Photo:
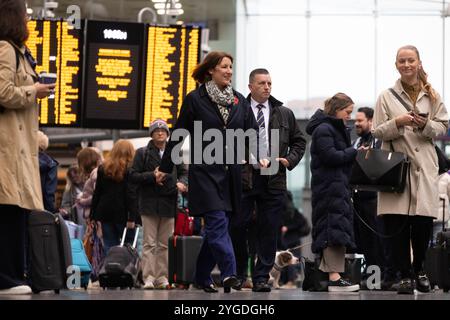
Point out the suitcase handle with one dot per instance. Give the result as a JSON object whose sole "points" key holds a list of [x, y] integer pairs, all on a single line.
{"points": [[135, 237], [443, 214]]}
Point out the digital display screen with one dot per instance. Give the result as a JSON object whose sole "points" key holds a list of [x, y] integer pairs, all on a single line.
{"points": [[57, 48], [113, 72], [172, 54]]}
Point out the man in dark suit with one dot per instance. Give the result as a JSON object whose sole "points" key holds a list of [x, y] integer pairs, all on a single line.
{"points": [[265, 192]]}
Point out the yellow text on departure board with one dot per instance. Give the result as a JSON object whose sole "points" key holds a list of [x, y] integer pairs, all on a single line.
{"points": [[55, 46], [172, 54], [70, 61], [114, 70]]}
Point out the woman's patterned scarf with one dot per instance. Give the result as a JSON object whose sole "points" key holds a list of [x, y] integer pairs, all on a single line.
{"points": [[223, 98]]}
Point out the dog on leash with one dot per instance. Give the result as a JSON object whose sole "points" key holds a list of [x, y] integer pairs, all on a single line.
{"points": [[282, 260]]}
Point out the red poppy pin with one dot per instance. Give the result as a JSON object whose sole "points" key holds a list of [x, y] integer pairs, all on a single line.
{"points": [[236, 100]]}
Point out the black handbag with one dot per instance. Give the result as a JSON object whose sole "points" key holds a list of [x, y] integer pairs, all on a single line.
{"points": [[380, 170], [444, 163]]}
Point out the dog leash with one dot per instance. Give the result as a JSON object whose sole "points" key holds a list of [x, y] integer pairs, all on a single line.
{"points": [[300, 246]]}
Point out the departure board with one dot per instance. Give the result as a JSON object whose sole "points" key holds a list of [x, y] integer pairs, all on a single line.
{"points": [[57, 47], [172, 54], [113, 72]]}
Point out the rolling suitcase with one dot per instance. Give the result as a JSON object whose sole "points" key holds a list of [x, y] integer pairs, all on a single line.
{"points": [[437, 259], [183, 253], [121, 267], [81, 261], [49, 251]]}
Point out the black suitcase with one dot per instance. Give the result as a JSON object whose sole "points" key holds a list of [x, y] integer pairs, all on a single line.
{"points": [[183, 253], [121, 266], [49, 251], [437, 259]]}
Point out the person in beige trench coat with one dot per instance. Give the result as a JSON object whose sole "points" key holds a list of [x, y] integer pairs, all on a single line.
{"points": [[20, 188], [409, 215]]}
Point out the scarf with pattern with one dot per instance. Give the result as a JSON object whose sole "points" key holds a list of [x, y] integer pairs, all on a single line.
{"points": [[222, 98]]}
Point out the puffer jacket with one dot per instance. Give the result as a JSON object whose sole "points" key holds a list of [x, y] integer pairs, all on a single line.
{"points": [[332, 156]]}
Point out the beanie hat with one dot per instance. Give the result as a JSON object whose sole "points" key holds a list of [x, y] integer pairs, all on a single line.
{"points": [[158, 124]]}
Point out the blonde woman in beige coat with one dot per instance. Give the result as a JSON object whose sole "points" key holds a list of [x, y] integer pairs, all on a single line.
{"points": [[20, 188], [409, 215]]}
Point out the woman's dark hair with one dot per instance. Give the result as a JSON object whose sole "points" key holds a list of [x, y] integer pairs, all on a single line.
{"points": [[337, 102], [88, 160], [212, 59], [13, 25]]}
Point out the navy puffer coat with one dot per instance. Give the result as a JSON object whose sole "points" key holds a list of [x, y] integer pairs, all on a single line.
{"points": [[331, 161]]}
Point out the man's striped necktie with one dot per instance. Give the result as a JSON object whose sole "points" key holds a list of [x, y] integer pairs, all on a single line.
{"points": [[263, 149]]}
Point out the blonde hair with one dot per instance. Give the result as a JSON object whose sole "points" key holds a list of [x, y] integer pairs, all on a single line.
{"points": [[42, 141], [423, 76], [119, 160], [336, 103]]}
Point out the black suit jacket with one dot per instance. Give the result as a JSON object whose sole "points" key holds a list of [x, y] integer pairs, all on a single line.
{"points": [[291, 144]]}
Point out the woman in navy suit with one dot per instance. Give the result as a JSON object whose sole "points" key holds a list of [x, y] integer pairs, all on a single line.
{"points": [[214, 188]]}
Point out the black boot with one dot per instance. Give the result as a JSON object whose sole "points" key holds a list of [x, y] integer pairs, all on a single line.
{"points": [[229, 282]]}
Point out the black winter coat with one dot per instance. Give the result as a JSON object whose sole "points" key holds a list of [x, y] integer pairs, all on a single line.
{"points": [[48, 169], [113, 201], [212, 187], [291, 145], [152, 198], [332, 156]]}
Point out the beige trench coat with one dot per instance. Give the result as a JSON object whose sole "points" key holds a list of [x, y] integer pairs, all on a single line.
{"points": [[19, 165], [418, 145]]}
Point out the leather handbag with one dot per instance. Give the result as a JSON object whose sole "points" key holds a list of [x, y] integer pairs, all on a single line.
{"points": [[380, 170], [444, 163]]}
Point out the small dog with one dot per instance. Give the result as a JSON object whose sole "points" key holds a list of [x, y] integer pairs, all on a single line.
{"points": [[282, 260]]}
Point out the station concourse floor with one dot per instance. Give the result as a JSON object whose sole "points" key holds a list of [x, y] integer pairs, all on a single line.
{"points": [[244, 295]]}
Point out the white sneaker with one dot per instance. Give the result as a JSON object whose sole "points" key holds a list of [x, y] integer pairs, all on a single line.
{"points": [[149, 285], [16, 290]]}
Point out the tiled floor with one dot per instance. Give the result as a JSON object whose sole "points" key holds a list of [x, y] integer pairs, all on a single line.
{"points": [[245, 295]]}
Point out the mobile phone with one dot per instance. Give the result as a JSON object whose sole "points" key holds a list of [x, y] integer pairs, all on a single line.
{"points": [[423, 114], [47, 78]]}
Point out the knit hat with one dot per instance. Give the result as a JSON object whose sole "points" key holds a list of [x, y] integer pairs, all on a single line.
{"points": [[157, 124]]}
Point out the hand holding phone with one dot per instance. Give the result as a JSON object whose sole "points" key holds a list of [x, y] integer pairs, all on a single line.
{"points": [[43, 90], [47, 78], [421, 119]]}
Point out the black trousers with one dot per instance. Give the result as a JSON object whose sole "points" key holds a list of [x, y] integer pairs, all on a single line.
{"points": [[268, 205], [415, 231], [367, 242], [12, 246]]}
